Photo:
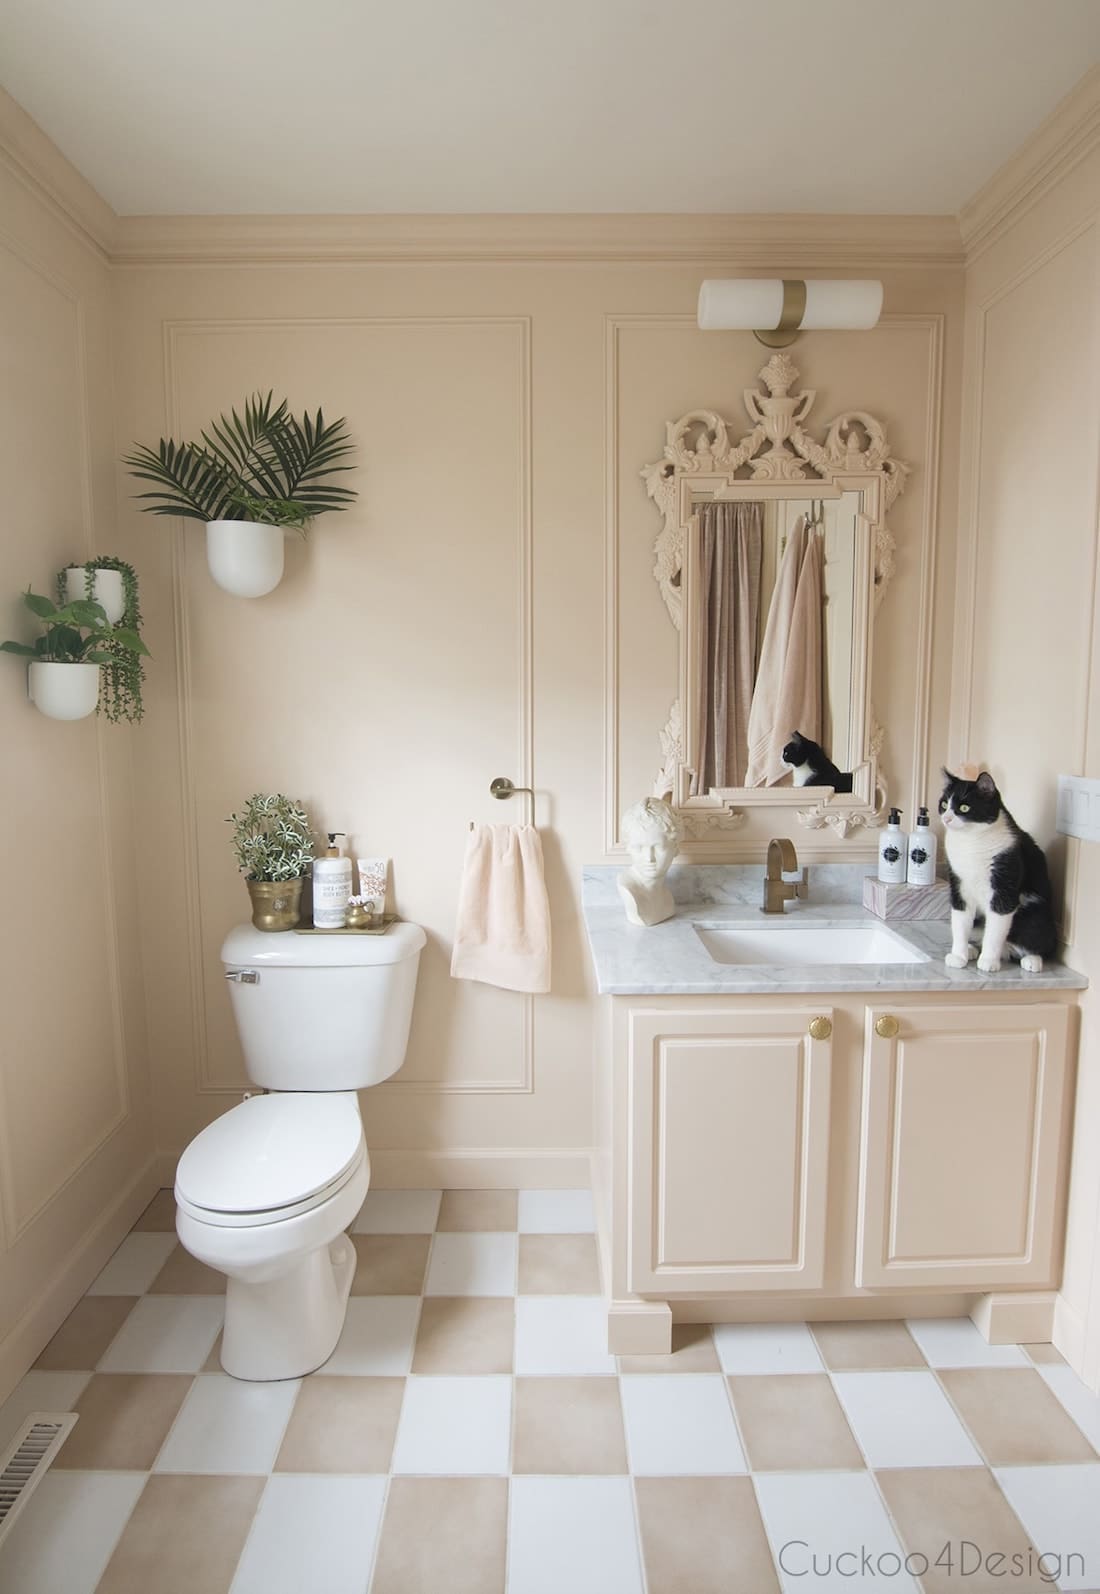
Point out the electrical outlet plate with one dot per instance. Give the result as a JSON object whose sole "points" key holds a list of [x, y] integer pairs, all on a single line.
{"points": [[1079, 807]]}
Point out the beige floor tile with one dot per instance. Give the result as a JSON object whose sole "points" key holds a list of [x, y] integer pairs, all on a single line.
{"points": [[1013, 1417], [465, 1334], [693, 1351], [184, 1537], [855, 1347], [703, 1536], [160, 1215], [390, 1264], [568, 1425], [793, 1421], [342, 1425], [934, 1507], [484, 1211], [558, 1264], [85, 1334], [443, 1534], [1045, 1355], [183, 1274], [124, 1418]]}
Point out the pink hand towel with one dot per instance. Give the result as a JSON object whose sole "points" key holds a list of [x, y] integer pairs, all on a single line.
{"points": [[502, 936]]}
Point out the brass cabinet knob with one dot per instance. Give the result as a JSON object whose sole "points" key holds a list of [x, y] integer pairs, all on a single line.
{"points": [[821, 1028], [887, 1026]]}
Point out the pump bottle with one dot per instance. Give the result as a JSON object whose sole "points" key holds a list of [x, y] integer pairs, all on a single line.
{"points": [[892, 851], [922, 853], [331, 886]]}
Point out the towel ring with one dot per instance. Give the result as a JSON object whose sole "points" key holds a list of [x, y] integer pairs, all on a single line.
{"points": [[501, 787]]}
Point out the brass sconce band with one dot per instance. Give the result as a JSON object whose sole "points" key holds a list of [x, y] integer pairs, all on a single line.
{"points": [[790, 317]]}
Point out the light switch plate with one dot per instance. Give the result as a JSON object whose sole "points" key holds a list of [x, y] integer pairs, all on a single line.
{"points": [[1079, 807]]}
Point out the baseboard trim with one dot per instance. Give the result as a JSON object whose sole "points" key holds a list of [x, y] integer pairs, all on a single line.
{"points": [[1068, 1335], [72, 1276], [463, 1168], [808, 1309], [1023, 1318]]}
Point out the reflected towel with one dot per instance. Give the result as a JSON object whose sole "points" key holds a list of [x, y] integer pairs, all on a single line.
{"points": [[502, 936], [787, 696]]}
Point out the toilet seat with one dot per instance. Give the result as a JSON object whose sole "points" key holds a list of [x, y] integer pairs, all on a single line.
{"points": [[271, 1158]]}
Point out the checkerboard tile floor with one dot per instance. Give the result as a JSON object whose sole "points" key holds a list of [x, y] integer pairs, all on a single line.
{"points": [[472, 1435]]}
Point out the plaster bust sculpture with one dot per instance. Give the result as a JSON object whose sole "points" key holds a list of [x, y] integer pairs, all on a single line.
{"points": [[651, 832]]}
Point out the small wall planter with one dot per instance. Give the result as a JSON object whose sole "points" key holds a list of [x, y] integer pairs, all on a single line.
{"points": [[244, 556], [107, 590], [63, 691]]}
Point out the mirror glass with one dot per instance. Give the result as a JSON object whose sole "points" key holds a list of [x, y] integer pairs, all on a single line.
{"points": [[774, 603]]}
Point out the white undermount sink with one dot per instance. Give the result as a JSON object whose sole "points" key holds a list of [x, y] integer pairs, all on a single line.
{"points": [[792, 944]]}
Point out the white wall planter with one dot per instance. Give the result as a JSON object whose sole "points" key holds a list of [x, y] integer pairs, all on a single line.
{"points": [[107, 590], [63, 691], [245, 558]]}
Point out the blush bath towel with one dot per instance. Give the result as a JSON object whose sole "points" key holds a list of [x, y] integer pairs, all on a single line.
{"points": [[502, 936]]}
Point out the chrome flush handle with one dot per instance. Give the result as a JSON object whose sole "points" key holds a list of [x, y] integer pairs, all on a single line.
{"points": [[243, 976]]}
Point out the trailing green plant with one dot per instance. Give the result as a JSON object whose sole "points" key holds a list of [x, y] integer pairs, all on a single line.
{"points": [[74, 633], [122, 677], [265, 465], [272, 838]]}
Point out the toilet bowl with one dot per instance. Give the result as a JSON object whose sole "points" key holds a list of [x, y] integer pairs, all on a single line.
{"points": [[265, 1193]]}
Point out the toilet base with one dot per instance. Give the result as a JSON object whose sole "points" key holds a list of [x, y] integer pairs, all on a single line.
{"points": [[288, 1326]]}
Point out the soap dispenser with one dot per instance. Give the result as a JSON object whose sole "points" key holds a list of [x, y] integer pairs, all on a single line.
{"points": [[922, 853], [331, 886], [892, 851]]}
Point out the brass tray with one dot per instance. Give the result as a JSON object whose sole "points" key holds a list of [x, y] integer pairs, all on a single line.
{"points": [[372, 929]]}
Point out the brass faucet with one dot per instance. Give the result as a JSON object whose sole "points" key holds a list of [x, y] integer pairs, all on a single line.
{"points": [[782, 859]]}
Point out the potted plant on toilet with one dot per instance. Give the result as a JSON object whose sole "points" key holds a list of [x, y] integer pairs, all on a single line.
{"points": [[77, 640], [250, 479], [113, 584], [274, 847]]}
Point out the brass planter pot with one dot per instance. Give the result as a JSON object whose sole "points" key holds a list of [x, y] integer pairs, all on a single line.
{"points": [[275, 903]]}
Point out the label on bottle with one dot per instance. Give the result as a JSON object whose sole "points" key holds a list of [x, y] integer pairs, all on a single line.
{"points": [[330, 900]]}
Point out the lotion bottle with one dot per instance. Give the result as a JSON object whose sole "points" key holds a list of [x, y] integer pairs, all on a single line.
{"points": [[892, 851], [922, 853], [331, 887]]}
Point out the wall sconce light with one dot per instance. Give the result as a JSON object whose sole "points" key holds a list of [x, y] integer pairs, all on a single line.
{"points": [[775, 310]]}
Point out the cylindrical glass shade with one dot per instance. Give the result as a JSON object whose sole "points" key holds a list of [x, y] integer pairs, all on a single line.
{"points": [[756, 305]]}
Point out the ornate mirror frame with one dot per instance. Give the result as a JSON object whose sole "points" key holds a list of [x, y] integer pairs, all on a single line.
{"points": [[777, 458]]}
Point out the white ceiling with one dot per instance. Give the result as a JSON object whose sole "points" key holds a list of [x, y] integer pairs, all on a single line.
{"points": [[269, 106]]}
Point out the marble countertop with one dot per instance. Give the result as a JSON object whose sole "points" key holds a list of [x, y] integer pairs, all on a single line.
{"points": [[669, 959]]}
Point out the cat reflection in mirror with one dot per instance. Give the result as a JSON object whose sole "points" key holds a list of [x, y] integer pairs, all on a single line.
{"points": [[997, 871], [810, 765]]}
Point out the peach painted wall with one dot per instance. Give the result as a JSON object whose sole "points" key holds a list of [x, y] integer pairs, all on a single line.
{"points": [[76, 1142], [486, 609], [1028, 623]]}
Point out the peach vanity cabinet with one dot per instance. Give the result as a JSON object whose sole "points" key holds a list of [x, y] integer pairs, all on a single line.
{"points": [[881, 1155]]}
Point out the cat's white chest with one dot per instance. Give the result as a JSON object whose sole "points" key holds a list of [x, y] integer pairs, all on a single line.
{"points": [[971, 850]]}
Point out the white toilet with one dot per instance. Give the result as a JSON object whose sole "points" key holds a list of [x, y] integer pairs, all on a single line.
{"points": [[265, 1193]]}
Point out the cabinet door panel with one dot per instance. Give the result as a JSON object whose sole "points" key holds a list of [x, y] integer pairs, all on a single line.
{"points": [[961, 1146], [728, 1151]]}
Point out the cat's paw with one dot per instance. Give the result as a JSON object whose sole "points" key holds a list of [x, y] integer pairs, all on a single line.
{"points": [[954, 961], [988, 964], [1031, 963]]}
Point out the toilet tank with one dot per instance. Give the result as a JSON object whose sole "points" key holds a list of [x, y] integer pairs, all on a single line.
{"points": [[322, 1012]]}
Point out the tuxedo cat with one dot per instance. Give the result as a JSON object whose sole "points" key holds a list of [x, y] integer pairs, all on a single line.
{"points": [[998, 872], [810, 765]]}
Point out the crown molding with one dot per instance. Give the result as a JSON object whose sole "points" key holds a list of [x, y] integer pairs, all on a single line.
{"points": [[38, 163], [768, 242], [1067, 136]]}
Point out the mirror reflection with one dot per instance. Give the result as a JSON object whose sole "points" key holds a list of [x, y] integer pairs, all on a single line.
{"points": [[774, 595]]}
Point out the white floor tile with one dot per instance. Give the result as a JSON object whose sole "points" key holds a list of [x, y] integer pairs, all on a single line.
{"points": [[1058, 1507], [819, 1523], [766, 1348], [227, 1425], [955, 1342], [472, 1264], [904, 1420], [165, 1334], [556, 1212], [452, 1426], [1082, 1405], [575, 1534], [315, 1533], [680, 1425], [134, 1265], [398, 1212], [560, 1335], [378, 1336], [67, 1532], [39, 1392]]}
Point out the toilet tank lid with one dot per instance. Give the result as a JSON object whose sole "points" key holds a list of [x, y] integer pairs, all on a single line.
{"points": [[293, 949]]}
